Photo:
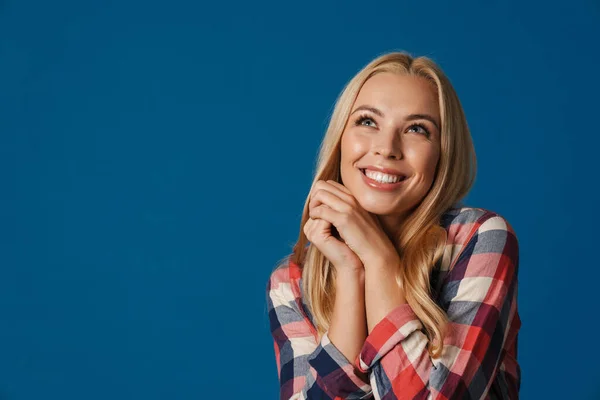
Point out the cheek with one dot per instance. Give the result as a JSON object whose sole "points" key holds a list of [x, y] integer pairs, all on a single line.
{"points": [[353, 147], [423, 159]]}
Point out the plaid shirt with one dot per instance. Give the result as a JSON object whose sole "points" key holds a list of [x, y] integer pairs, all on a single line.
{"points": [[475, 283]]}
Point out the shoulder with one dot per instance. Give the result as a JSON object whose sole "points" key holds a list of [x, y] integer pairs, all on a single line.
{"points": [[463, 223], [282, 285], [284, 293], [285, 271], [476, 236]]}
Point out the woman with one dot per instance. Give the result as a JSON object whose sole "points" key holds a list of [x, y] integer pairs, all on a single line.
{"points": [[403, 292]]}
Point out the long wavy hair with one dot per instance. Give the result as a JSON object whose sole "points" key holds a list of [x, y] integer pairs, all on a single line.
{"points": [[421, 239]]}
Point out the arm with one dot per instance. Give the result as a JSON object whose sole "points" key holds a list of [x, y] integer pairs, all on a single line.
{"points": [[348, 328], [479, 295], [307, 368]]}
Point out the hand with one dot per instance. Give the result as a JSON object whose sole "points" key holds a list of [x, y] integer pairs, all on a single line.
{"points": [[360, 230], [324, 236]]}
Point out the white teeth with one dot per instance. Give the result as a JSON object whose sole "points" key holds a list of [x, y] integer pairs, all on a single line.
{"points": [[383, 178]]}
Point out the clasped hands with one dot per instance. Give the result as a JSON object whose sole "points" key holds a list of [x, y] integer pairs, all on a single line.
{"points": [[363, 244]]}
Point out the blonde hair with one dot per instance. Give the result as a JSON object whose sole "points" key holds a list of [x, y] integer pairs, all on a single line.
{"points": [[421, 240]]}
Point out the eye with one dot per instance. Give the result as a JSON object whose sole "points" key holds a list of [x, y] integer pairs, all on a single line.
{"points": [[365, 120], [420, 129]]}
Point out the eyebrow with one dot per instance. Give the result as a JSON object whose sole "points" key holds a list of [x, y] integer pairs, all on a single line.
{"points": [[410, 117]]}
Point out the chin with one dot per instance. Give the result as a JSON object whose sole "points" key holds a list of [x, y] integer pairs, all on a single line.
{"points": [[375, 207]]}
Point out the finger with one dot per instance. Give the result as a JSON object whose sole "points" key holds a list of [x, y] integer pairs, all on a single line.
{"points": [[307, 228], [323, 212], [314, 229], [338, 189], [329, 187], [325, 197], [339, 186], [315, 224]]}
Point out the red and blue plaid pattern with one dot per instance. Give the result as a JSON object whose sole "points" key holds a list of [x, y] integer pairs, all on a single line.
{"points": [[475, 282]]}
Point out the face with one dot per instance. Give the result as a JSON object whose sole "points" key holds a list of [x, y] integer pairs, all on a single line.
{"points": [[394, 124]]}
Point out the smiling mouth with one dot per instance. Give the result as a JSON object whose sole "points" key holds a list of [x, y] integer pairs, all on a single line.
{"points": [[402, 177]]}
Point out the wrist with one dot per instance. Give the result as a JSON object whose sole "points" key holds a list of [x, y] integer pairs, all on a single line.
{"points": [[383, 264], [349, 276], [381, 273]]}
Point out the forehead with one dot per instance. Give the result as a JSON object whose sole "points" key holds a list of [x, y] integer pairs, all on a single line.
{"points": [[392, 92]]}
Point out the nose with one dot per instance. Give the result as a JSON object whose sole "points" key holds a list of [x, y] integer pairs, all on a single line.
{"points": [[388, 146], [388, 153]]}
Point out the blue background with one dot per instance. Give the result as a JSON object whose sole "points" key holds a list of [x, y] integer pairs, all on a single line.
{"points": [[155, 158]]}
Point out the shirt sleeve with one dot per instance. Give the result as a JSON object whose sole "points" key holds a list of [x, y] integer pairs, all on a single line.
{"points": [[479, 295], [307, 369]]}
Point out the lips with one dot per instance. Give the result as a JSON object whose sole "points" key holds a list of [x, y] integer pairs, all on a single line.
{"points": [[402, 176], [383, 186], [382, 169]]}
